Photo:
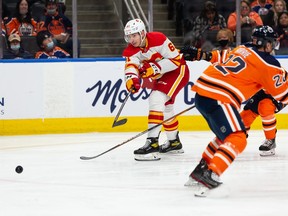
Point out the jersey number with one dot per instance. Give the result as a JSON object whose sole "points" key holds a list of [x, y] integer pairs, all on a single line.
{"points": [[171, 47], [238, 64]]}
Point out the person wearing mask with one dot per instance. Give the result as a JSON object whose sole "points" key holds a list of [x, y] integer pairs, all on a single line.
{"points": [[15, 51], [59, 26], [47, 47]]}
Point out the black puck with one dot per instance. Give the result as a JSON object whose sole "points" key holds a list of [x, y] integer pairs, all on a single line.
{"points": [[19, 169]]}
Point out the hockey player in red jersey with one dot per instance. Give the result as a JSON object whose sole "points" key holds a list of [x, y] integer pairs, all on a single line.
{"points": [[153, 56], [220, 91]]}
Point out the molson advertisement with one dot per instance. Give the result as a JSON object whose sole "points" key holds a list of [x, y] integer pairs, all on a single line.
{"points": [[85, 96]]}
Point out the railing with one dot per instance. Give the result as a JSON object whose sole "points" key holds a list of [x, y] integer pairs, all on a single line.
{"points": [[135, 10], [116, 11]]}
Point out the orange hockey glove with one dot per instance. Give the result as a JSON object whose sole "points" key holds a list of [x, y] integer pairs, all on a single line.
{"points": [[150, 70], [132, 83]]}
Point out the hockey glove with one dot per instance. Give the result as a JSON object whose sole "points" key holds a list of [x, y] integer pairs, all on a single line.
{"points": [[150, 70], [191, 53], [132, 83]]}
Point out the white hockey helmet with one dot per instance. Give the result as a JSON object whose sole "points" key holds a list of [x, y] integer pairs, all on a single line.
{"points": [[134, 26]]}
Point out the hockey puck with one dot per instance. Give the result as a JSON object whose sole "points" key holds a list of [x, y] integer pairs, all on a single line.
{"points": [[19, 169]]}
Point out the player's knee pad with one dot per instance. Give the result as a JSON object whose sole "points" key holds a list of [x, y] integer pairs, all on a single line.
{"points": [[157, 101], [238, 141], [266, 107]]}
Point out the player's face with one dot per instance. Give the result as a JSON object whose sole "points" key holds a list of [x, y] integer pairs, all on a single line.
{"points": [[134, 39], [269, 47]]}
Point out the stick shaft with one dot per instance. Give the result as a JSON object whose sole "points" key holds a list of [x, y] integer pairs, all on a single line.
{"points": [[121, 108], [137, 135]]}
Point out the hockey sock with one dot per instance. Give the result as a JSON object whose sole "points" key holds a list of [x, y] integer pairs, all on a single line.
{"points": [[234, 144]]}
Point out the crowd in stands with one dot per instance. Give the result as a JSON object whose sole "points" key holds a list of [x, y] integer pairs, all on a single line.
{"points": [[200, 20], [36, 29]]}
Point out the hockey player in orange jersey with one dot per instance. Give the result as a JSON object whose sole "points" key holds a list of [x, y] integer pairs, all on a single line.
{"points": [[265, 106], [220, 91], [153, 56], [261, 104]]}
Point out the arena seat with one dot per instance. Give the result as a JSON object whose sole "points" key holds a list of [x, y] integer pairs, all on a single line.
{"points": [[29, 44]]}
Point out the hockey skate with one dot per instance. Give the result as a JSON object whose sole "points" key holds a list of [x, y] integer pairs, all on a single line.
{"points": [[149, 152], [205, 176], [172, 146], [199, 171], [268, 147]]}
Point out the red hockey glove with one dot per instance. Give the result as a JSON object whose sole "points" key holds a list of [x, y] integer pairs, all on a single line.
{"points": [[150, 70], [132, 83]]}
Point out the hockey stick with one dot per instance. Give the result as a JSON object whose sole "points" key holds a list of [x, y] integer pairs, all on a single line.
{"points": [[136, 136], [121, 121]]}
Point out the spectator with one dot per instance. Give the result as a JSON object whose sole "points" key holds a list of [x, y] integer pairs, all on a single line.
{"points": [[249, 19], [225, 40], [265, 9], [278, 7], [261, 7], [15, 51], [37, 9], [22, 22], [206, 25], [47, 47], [282, 31], [59, 26], [5, 18]]}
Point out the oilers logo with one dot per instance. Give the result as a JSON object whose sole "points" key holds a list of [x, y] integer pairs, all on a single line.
{"points": [[26, 29]]}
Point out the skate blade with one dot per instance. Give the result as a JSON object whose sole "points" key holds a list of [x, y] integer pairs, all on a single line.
{"points": [[267, 153], [219, 192], [147, 157], [191, 183], [180, 151], [202, 191]]}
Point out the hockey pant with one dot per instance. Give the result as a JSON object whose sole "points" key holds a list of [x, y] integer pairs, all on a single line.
{"points": [[266, 109], [225, 121]]}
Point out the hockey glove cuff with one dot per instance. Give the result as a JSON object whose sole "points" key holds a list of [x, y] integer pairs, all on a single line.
{"points": [[150, 70], [132, 83], [191, 53]]}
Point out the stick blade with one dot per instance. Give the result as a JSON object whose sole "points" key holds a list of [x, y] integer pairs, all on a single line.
{"points": [[87, 158], [120, 122]]}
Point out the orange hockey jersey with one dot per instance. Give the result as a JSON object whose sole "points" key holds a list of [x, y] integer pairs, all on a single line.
{"points": [[220, 56], [244, 73], [22, 29]]}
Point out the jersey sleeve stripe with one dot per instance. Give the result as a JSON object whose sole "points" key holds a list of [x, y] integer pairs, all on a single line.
{"points": [[214, 91], [227, 90]]}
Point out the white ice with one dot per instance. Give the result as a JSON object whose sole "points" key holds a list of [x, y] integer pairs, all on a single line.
{"points": [[55, 182]]}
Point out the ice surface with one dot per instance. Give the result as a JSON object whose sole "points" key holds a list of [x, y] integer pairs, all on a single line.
{"points": [[55, 182]]}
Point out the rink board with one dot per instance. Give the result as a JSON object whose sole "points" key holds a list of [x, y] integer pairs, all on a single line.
{"points": [[60, 96]]}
